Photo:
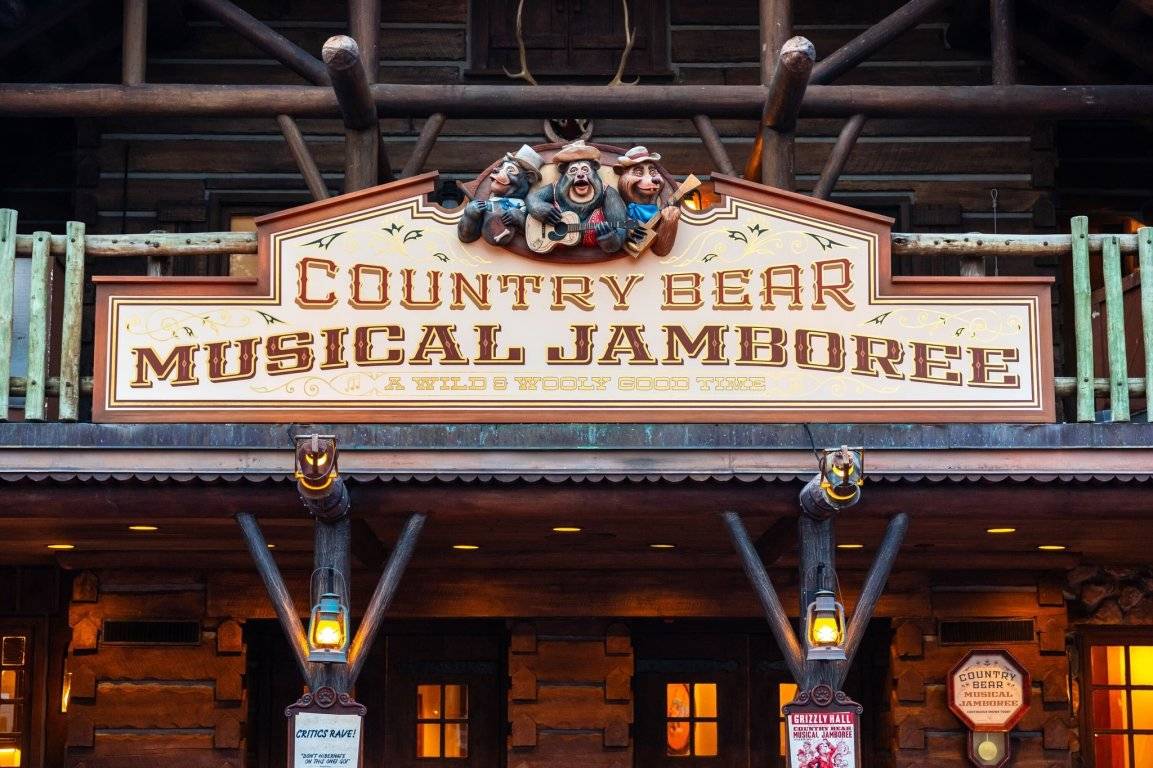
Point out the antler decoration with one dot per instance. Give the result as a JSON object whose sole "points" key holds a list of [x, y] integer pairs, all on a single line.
{"points": [[630, 38], [524, 74]]}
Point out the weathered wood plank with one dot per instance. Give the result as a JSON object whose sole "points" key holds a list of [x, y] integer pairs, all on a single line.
{"points": [[137, 663], [39, 325], [1145, 261], [569, 707], [151, 705], [1115, 331], [1083, 317], [73, 322], [7, 285]]}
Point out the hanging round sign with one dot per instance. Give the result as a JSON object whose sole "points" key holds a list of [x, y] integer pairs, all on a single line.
{"points": [[989, 690]]}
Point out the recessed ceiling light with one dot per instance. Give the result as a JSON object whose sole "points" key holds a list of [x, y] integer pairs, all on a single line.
{"points": [[270, 546], [566, 529], [61, 546], [1000, 530], [1052, 547], [662, 546], [850, 546], [143, 528], [465, 546]]}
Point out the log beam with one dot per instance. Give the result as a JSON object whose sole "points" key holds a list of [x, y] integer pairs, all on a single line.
{"points": [[1003, 34], [713, 144], [357, 109], [1054, 60], [839, 157], [782, 105], [303, 157], [1133, 50], [135, 46], [364, 27], [776, 24], [266, 39], [874, 38], [429, 133]]}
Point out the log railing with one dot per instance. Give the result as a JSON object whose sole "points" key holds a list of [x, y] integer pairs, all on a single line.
{"points": [[75, 247]]}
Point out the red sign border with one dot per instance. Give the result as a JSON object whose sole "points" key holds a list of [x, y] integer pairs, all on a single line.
{"points": [[1026, 686]]}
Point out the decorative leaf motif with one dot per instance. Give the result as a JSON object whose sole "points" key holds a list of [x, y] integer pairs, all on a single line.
{"points": [[736, 234], [757, 229], [189, 331], [269, 319], [879, 319], [325, 241], [442, 256], [413, 235], [825, 242], [393, 228], [709, 257]]}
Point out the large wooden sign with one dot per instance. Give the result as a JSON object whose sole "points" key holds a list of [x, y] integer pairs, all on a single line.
{"points": [[823, 727], [766, 306]]}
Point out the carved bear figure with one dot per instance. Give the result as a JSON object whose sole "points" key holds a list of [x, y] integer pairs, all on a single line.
{"points": [[502, 213], [579, 189], [640, 185]]}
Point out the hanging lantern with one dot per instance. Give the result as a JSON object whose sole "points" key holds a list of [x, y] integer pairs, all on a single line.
{"points": [[842, 473], [826, 627], [328, 630]]}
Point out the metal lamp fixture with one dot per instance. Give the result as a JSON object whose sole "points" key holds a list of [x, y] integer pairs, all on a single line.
{"points": [[843, 473], [825, 621], [328, 630]]}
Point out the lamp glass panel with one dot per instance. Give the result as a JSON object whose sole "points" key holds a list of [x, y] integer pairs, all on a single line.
{"points": [[1141, 665], [10, 684], [1108, 663], [1111, 750], [456, 701], [705, 699], [456, 739], [1143, 712], [1110, 710], [9, 757], [428, 739], [428, 702]]}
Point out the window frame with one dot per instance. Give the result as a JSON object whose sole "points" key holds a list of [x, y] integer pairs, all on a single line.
{"points": [[692, 718], [444, 720], [1127, 636]]}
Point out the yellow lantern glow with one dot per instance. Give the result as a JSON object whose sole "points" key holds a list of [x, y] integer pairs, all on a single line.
{"points": [[826, 627], [328, 630]]}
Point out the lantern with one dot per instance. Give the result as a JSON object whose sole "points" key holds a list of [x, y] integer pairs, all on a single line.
{"points": [[825, 619], [328, 630], [842, 474]]}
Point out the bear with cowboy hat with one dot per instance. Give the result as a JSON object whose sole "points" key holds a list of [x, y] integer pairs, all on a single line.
{"points": [[579, 189], [502, 213], [641, 186]]}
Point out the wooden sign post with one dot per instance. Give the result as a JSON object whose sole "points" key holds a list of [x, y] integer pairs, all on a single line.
{"points": [[325, 731], [989, 693], [824, 729]]}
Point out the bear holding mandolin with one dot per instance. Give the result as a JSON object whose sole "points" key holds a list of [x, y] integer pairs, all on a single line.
{"points": [[580, 210]]}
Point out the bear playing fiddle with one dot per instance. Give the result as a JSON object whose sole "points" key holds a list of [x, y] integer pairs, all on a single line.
{"points": [[578, 208], [503, 212]]}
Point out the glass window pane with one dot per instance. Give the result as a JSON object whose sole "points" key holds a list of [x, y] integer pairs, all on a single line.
{"points": [[705, 739], [1140, 665], [9, 757], [12, 651], [1142, 749], [677, 738], [8, 722], [1108, 663], [456, 740], [456, 701], [705, 700], [1110, 710], [677, 700], [10, 684], [1111, 751], [785, 693], [428, 702], [427, 740], [1143, 712]]}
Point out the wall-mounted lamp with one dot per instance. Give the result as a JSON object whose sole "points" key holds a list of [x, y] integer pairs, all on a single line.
{"points": [[328, 630], [825, 620], [843, 473], [316, 460]]}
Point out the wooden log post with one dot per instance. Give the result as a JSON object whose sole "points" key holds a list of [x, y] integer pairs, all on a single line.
{"points": [[303, 157], [839, 157], [134, 50], [73, 322], [429, 133], [358, 110], [874, 38], [364, 27], [972, 264], [7, 297], [1002, 31], [1115, 331], [1083, 319], [332, 556], [266, 39], [775, 18], [782, 105], [713, 144], [39, 327], [1145, 263]]}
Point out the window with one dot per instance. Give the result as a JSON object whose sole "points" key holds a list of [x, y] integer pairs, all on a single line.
{"points": [[442, 720], [14, 670], [691, 719], [786, 692], [1119, 703]]}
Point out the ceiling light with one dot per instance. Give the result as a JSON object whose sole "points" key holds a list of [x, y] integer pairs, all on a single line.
{"points": [[61, 546], [662, 546], [465, 546], [850, 546], [566, 529], [1051, 547], [1000, 530], [270, 546], [143, 528]]}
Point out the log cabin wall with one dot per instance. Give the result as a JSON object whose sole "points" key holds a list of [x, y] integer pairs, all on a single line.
{"points": [[926, 733], [154, 701]]}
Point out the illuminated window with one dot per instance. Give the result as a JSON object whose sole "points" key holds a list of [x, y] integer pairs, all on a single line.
{"points": [[442, 721], [1120, 704], [691, 719], [785, 693], [13, 704]]}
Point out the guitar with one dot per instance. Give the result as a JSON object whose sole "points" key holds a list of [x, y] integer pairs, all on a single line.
{"points": [[638, 247], [542, 237]]}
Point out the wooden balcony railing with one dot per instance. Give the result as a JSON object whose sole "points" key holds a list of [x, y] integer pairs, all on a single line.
{"points": [[1122, 307]]}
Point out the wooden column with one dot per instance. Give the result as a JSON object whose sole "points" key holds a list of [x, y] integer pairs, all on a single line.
{"points": [[364, 26], [1002, 29], [357, 108], [303, 158], [135, 41], [846, 140], [874, 38], [713, 144], [782, 105], [429, 133], [776, 23]]}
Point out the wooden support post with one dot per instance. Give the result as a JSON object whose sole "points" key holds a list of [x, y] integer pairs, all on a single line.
{"points": [[1145, 263], [776, 24], [382, 596], [277, 592], [73, 322], [135, 42], [775, 613], [972, 265], [713, 144], [1002, 30], [357, 108], [874, 38], [331, 554], [839, 157], [7, 297], [266, 39], [429, 132], [1115, 331], [782, 105], [303, 157], [364, 27], [1083, 318], [817, 570], [39, 326]]}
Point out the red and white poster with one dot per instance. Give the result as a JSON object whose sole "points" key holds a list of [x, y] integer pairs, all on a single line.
{"points": [[823, 739]]}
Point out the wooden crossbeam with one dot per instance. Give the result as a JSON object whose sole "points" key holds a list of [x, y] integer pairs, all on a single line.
{"points": [[839, 157], [303, 157], [713, 144], [874, 38], [429, 133], [1133, 50], [266, 39]]}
